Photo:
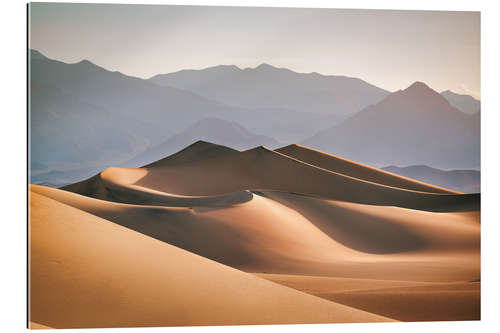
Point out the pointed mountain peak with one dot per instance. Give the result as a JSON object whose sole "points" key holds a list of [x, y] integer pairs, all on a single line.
{"points": [[418, 86], [215, 69], [265, 66], [422, 92], [85, 62], [228, 67], [418, 97], [89, 65]]}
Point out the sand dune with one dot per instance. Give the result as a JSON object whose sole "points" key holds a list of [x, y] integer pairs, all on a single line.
{"points": [[84, 273], [198, 151], [116, 184], [322, 284], [356, 170], [453, 301], [376, 229], [261, 168], [266, 236], [403, 300], [295, 234], [199, 221]]}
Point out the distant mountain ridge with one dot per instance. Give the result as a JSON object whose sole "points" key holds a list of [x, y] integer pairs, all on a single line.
{"points": [[217, 131], [266, 86], [84, 118], [87, 114], [467, 181], [412, 126], [464, 103], [84, 115]]}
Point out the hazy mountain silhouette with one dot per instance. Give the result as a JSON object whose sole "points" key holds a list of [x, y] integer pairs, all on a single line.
{"points": [[81, 113], [68, 131], [189, 79], [464, 103], [467, 181], [86, 116], [217, 131], [412, 126], [266, 86]]}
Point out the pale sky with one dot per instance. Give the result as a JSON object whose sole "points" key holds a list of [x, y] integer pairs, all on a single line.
{"points": [[390, 49]]}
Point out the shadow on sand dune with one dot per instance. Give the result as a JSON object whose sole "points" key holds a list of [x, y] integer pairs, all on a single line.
{"points": [[352, 228]]}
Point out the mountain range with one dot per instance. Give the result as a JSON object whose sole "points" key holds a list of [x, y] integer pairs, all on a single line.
{"points": [[85, 115], [464, 103], [84, 118], [82, 115], [281, 88], [466, 181], [214, 130], [413, 126], [266, 86]]}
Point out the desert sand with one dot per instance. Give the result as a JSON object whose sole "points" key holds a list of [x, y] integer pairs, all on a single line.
{"points": [[89, 272], [214, 236]]}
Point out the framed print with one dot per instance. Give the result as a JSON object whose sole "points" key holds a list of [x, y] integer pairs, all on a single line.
{"points": [[211, 165]]}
